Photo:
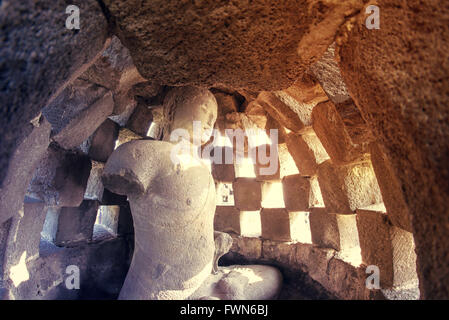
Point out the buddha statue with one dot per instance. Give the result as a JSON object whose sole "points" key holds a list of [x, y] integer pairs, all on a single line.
{"points": [[172, 199]]}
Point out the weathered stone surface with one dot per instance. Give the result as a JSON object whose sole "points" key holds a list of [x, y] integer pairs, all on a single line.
{"points": [[76, 224], [95, 188], [24, 161], [388, 247], [5, 228], [280, 111], [247, 194], [239, 44], [392, 193], [102, 265], [257, 114], [19, 242], [355, 125], [402, 93], [349, 187], [334, 231], [330, 129], [348, 282], [140, 120], [77, 112], [39, 57], [103, 141], [275, 224], [308, 91], [61, 178], [126, 135], [226, 104], [115, 70], [324, 228], [307, 152], [283, 252], [302, 97], [223, 172], [150, 93], [249, 247], [327, 72], [270, 124], [227, 219], [296, 192]]}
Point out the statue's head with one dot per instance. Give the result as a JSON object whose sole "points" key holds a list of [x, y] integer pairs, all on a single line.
{"points": [[183, 106]]}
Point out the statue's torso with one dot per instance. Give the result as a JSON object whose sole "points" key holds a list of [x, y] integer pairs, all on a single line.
{"points": [[173, 220]]}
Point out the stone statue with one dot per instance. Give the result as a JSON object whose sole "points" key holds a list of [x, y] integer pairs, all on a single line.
{"points": [[173, 206]]}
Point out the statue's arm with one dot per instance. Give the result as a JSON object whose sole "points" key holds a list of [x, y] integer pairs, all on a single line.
{"points": [[131, 167]]}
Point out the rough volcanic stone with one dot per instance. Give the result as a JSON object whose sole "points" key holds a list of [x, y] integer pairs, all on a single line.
{"points": [[336, 231], [103, 140], [390, 248], [327, 72], [349, 187], [296, 191], [227, 219], [223, 172], [248, 247], [126, 135], [76, 224], [239, 44], [392, 193], [247, 194], [39, 57], [115, 70], [95, 188], [103, 266], [355, 125], [61, 178], [402, 93], [77, 112], [331, 130], [280, 111], [271, 123], [25, 233], [307, 152], [24, 161], [275, 224], [226, 104], [302, 97], [141, 119]]}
